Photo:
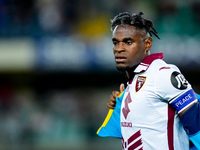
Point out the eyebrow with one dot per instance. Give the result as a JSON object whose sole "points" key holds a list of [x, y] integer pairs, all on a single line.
{"points": [[124, 39]]}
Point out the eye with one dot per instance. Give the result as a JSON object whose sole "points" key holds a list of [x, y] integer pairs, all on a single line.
{"points": [[115, 42], [128, 42]]}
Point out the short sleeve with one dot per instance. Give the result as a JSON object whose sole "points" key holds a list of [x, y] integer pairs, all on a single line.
{"points": [[170, 82]]}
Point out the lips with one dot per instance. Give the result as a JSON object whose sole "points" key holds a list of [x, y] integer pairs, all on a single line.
{"points": [[120, 59]]}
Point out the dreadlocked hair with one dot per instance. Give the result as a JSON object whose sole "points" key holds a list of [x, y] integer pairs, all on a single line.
{"points": [[134, 20]]}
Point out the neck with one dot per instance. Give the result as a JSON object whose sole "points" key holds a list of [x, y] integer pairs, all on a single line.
{"points": [[130, 71]]}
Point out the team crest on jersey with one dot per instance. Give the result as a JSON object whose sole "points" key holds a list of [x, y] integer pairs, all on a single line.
{"points": [[139, 83]]}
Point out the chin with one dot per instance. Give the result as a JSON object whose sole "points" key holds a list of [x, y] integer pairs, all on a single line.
{"points": [[120, 68]]}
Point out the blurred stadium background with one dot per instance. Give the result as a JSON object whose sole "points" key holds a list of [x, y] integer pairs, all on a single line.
{"points": [[57, 69]]}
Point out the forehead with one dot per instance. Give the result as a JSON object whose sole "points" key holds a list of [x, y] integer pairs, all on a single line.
{"points": [[122, 31]]}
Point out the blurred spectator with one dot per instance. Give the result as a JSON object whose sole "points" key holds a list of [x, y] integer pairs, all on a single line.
{"points": [[50, 15]]}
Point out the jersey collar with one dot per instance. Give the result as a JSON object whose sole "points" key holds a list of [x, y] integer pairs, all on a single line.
{"points": [[144, 65]]}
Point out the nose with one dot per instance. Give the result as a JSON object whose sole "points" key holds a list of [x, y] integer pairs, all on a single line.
{"points": [[119, 47]]}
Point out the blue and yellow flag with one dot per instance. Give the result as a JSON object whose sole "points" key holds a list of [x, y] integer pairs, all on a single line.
{"points": [[111, 126]]}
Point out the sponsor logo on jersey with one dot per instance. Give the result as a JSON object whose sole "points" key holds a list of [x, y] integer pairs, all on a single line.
{"points": [[139, 83], [126, 124], [178, 80]]}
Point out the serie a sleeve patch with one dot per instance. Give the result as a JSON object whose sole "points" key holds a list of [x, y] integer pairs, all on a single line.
{"points": [[184, 100]]}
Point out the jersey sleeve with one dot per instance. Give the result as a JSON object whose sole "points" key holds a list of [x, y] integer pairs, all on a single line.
{"points": [[170, 83], [111, 126], [172, 87]]}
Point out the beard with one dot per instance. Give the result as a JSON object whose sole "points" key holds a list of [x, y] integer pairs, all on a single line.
{"points": [[122, 69], [126, 68]]}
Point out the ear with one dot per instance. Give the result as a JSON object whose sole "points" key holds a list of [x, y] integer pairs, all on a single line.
{"points": [[148, 43]]}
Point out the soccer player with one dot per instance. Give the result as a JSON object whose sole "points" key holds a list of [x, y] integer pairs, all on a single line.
{"points": [[147, 114]]}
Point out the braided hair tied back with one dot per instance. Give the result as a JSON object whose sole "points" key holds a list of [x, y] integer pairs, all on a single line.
{"points": [[134, 20]]}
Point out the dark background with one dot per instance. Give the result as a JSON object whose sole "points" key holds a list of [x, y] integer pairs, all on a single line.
{"points": [[57, 69]]}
